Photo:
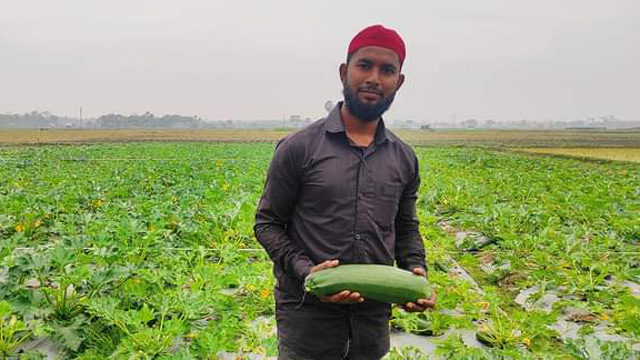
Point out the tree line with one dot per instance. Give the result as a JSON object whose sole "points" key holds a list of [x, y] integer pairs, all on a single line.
{"points": [[36, 119]]}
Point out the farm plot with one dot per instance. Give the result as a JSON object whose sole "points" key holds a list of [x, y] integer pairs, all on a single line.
{"points": [[616, 154], [146, 251], [552, 242], [439, 138]]}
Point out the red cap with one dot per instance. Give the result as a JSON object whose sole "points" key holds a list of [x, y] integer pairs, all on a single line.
{"points": [[378, 35]]}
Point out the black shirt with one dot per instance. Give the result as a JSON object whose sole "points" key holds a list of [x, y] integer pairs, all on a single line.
{"points": [[326, 198]]}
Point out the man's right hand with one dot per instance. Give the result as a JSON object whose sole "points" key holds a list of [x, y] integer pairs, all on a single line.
{"points": [[345, 296]]}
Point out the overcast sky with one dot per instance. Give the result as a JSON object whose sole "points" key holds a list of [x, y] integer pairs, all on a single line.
{"points": [[500, 59]]}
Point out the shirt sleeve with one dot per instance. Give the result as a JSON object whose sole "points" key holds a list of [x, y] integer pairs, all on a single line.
{"points": [[276, 205], [409, 247]]}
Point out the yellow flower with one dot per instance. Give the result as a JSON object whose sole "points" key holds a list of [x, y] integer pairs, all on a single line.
{"points": [[526, 342], [152, 228], [265, 293], [483, 304], [604, 317], [18, 228], [97, 203], [37, 223]]}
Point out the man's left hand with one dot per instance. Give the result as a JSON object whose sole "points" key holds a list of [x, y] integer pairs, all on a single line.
{"points": [[422, 304]]}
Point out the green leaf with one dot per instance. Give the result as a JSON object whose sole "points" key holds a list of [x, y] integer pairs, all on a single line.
{"points": [[5, 309], [69, 335], [144, 315]]}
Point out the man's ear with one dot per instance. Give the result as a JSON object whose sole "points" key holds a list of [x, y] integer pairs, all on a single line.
{"points": [[400, 81], [343, 72]]}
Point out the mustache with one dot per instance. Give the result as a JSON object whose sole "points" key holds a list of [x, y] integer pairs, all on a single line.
{"points": [[370, 89]]}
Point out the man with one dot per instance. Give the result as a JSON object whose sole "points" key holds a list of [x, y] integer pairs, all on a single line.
{"points": [[343, 190]]}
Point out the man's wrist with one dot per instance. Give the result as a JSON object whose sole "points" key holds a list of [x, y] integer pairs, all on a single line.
{"points": [[302, 268]]}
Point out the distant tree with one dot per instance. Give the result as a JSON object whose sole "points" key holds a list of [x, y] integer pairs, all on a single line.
{"points": [[45, 119], [469, 124], [147, 120]]}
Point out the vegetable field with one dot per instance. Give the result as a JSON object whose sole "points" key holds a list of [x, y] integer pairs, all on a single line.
{"points": [[146, 251]]}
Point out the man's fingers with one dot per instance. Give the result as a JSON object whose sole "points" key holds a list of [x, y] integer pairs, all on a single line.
{"points": [[343, 297], [340, 296], [413, 307], [325, 265], [332, 263], [354, 297], [419, 271], [424, 303], [420, 305], [432, 300]]}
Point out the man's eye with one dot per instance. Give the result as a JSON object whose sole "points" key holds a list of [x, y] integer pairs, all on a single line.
{"points": [[388, 71], [364, 66]]}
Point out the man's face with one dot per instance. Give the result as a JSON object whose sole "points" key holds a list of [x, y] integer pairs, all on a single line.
{"points": [[370, 81]]}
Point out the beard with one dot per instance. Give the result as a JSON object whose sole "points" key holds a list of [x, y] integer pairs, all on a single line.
{"points": [[361, 110]]}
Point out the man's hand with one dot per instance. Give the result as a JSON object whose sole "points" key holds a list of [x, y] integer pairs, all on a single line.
{"points": [[422, 304], [341, 297]]}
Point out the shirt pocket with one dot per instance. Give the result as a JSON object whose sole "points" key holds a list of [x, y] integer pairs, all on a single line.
{"points": [[385, 204]]}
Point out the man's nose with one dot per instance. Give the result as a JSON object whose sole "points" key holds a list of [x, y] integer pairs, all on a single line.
{"points": [[374, 78]]}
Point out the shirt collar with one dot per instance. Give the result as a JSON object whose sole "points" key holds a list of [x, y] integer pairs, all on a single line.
{"points": [[334, 125], [334, 120]]}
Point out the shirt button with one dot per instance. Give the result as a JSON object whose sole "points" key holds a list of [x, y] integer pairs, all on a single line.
{"points": [[358, 237]]}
